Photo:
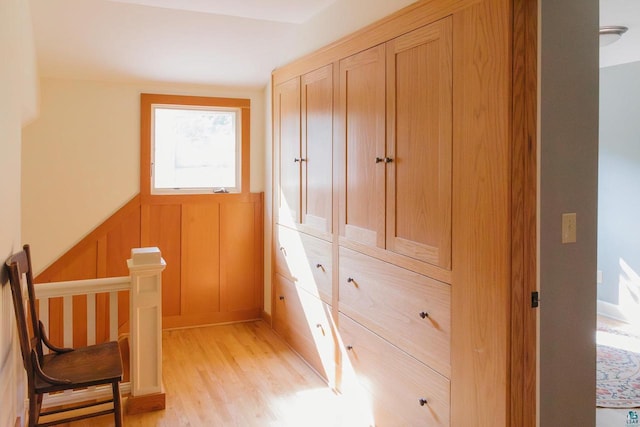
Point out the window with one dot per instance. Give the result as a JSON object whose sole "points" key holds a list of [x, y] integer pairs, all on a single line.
{"points": [[193, 145]]}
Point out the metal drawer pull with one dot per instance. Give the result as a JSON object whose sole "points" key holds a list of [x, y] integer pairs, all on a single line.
{"points": [[379, 160], [388, 160], [424, 314], [281, 297], [299, 160], [423, 402], [349, 347], [350, 280]]}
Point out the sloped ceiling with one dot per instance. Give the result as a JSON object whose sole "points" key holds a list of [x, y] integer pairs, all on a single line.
{"points": [[222, 42], [217, 42]]}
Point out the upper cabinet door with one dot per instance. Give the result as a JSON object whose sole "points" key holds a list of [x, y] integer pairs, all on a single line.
{"points": [[362, 150], [419, 141], [286, 131], [317, 150]]}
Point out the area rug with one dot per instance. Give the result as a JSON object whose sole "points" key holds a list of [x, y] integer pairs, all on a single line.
{"points": [[618, 369]]}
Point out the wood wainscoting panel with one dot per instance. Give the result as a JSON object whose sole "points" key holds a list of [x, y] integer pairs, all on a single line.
{"points": [[187, 231], [162, 228], [200, 279], [241, 257]]}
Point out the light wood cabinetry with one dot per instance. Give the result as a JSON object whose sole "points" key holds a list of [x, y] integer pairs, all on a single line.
{"points": [[402, 390], [396, 124], [303, 134], [419, 132], [305, 322], [286, 131], [306, 261], [424, 282], [361, 115], [407, 309]]}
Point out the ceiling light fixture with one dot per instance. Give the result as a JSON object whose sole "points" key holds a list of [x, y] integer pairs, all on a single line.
{"points": [[611, 34]]}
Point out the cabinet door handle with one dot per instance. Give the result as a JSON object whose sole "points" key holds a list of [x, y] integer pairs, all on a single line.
{"points": [[424, 314], [299, 159], [349, 347], [379, 160], [388, 160], [350, 280], [281, 297], [423, 401]]}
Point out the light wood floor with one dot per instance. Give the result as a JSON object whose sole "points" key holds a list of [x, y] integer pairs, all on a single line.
{"points": [[236, 375]]}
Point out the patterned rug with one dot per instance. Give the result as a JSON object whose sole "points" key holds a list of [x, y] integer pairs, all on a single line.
{"points": [[618, 368]]}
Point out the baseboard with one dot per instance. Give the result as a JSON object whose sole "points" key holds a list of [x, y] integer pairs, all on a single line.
{"points": [[147, 403], [612, 311], [266, 317]]}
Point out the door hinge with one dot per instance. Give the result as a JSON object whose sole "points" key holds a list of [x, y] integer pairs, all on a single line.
{"points": [[535, 299]]}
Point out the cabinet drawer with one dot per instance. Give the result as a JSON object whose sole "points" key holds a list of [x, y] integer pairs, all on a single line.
{"points": [[305, 260], [400, 390], [409, 310], [306, 324]]}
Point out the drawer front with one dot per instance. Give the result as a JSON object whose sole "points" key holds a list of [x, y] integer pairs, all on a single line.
{"points": [[305, 323], [409, 310], [400, 390], [305, 260]]}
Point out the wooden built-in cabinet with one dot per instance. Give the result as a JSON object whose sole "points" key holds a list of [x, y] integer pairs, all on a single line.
{"points": [[403, 239], [303, 111]]}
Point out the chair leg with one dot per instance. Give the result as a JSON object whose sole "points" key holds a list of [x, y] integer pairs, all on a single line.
{"points": [[34, 408], [117, 404]]}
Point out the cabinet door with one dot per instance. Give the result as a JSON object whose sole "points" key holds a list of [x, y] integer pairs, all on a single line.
{"points": [[419, 126], [362, 130], [286, 131], [317, 149]]}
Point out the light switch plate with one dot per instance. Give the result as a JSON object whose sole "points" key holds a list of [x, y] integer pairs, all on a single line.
{"points": [[569, 226]]}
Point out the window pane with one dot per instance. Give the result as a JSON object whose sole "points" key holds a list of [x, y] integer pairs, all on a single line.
{"points": [[195, 148]]}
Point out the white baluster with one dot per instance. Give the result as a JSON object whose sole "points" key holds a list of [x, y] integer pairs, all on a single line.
{"points": [[67, 322], [91, 318], [113, 316], [43, 314]]}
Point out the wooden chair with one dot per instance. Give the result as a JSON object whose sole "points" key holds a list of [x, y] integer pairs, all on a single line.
{"points": [[63, 368]]}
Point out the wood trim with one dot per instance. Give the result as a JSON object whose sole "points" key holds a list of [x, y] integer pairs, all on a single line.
{"points": [[523, 211], [267, 318], [90, 239], [203, 319], [146, 403], [147, 100]]}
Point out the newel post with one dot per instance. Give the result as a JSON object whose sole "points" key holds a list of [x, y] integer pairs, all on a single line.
{"points": [[145, 315]]}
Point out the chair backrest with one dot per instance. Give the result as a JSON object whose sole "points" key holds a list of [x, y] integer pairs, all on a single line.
{"points": [[19, 266]]}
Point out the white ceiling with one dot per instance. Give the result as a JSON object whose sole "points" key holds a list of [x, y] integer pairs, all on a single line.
{"points": [[292, 11], [625, 13], [214, 42]]}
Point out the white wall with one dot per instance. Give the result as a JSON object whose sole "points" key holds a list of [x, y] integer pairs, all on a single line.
{"points": [[619, 194], [568, 183], [81, 157], [18, 89]]}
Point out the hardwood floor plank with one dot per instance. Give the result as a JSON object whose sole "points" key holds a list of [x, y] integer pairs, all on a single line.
{"points": [[240, 374]]}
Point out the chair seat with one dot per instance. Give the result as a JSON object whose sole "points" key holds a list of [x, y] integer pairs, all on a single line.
{"points": [[80, 367]]}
